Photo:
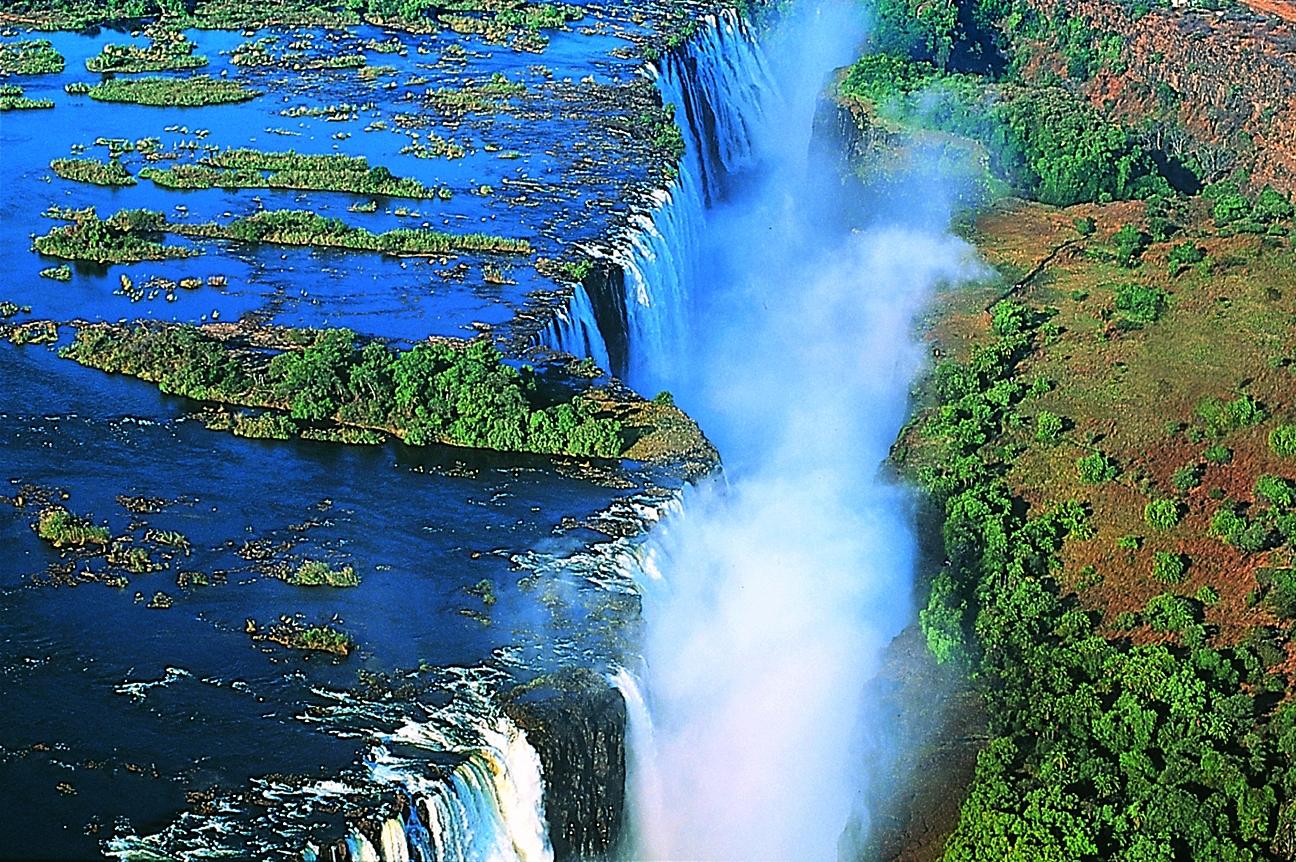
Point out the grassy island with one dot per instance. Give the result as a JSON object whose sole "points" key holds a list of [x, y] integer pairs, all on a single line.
{"points": [[62, 529], [255, 169], [30, 57], [12, 99], [484, 97], [129, 236], [294, 634], [299, 227], [317, 573], [109, 173], [189, 92], [133, 235], [167, 51], [258, 54], [453, 393], [518, 23]]}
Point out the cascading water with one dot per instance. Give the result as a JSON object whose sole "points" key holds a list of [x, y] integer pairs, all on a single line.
{"points": [[575, 330], [719, 88], [768, 603], [488, 808]]}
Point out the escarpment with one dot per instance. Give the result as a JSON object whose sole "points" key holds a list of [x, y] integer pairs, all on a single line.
{"points": [[1214, 88]]}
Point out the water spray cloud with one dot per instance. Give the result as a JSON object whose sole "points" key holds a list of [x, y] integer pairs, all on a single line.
{"points": [[770, 600]]}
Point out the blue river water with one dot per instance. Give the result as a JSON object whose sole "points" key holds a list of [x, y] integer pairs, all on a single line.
{"points": [[114, 710]]}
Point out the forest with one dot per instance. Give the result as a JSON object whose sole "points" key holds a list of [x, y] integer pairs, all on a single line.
{"points": [[433, 393]]}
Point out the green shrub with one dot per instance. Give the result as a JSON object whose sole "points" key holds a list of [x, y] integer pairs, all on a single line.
{"points": [[1218, 454], [1128, 244], [1048, 427], [943, 620], [1140, 305], [1169, 568], [1184, 255], [1279, 590], [1084, 226], [1187, 477], [1286, 526], [1129, 543], [1207, 595], [1227, 524], [1125, 621], [1167, 612], [1282, 440], [1280, 492], [1095, 468], [1221, 417], [1162, 514]]}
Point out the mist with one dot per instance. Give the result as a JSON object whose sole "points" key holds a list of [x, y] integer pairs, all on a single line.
{"points": [[770, 599]]}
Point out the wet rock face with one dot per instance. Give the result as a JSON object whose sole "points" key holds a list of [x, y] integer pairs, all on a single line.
{"points": [[606, 288], [579, 734]]}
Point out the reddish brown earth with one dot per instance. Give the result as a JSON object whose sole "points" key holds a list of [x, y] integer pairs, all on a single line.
{"points": [[1218, 86], [1285, 9]]}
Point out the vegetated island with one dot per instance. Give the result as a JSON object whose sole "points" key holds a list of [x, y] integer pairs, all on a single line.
{"points": [[133, 235], [258, 169], [12, 99], [444, 392], [292, 633], [517, 23], [1109, 444], [168, 51], [93, 171], [30, 57], [186, 92]]}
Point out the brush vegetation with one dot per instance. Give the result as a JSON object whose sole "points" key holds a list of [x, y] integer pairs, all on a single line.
{"points": [[129, 236], [317, 573], [1043, 142], [94, 171], [300, 227], [12, 99], [1110, 579], [133, 235], [167, 51], [188, 92], [30, 57], [518, 22], [62, 529], [436, 393], [255, 169]]}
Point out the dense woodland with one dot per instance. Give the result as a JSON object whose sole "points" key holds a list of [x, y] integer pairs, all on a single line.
{"points": [[1146, 737], [439, 392]]}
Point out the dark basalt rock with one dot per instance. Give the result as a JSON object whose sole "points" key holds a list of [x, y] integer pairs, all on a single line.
{"points": [[605, 285], [576, 722]]}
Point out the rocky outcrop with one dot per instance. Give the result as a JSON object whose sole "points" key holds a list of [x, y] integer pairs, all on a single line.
{"points": [[577, 725], [1215, 87]]}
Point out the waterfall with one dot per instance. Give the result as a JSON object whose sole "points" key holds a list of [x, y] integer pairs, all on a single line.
{"points": [[575, 330], [768, 602], [643, 785], [720, 87], [489, 808]]}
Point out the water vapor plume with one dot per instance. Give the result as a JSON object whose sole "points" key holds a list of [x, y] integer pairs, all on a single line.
{"points": [[770, 599]]}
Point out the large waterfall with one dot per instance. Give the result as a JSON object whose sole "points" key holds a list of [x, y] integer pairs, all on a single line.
{"points": [[769, 599], [489, 809], [768, 596], [720, 88]]}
